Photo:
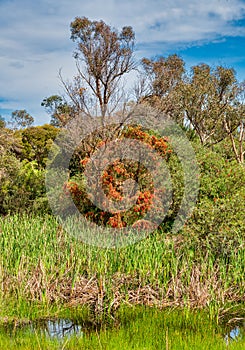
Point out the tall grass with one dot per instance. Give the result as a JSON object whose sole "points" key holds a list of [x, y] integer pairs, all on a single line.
{"points": [[42, 264]]}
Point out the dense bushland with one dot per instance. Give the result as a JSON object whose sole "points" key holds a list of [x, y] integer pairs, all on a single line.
{"points": [[202, 264]]}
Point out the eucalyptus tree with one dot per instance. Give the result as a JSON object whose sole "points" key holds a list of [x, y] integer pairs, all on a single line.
{"points": [[59, 110], [162, 78], [20, 118], [103, 56]]}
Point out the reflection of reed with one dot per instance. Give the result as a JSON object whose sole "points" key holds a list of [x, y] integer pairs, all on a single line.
{"points": [[61, 328], [234, 334]]}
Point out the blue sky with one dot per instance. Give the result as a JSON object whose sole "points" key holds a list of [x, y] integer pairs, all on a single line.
{"points": [[35, 40]]}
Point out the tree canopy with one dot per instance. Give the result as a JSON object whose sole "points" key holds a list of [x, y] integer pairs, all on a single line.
{"points": [[21, 118], [103, 56]]}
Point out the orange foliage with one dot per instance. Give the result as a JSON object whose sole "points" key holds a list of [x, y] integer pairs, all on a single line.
{"points": [[113, 178]]}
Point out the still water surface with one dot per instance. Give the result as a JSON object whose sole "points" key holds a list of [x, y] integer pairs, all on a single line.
{"points": [[64, 328]]}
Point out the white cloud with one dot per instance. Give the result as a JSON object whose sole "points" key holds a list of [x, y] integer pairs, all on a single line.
{"points": [[35, 42]]}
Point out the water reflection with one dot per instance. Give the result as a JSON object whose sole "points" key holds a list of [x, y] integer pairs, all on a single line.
{"points": [[234, 334], [52, 328], [60, 328]]}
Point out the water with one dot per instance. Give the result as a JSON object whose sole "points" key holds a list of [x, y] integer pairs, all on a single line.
{"points": [[64, 328], [52, 328], [60, 328], [234, 334]]}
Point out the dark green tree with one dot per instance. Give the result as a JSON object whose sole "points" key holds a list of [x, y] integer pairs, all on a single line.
{"points": [[36, 142]]}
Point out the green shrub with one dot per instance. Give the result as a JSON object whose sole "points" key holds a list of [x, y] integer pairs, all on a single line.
{"points": [[22, 186]]}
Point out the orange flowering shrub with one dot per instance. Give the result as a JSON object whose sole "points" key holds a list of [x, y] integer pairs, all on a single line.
{"points": [[116, 221], [141, 193], [144, 225]]}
